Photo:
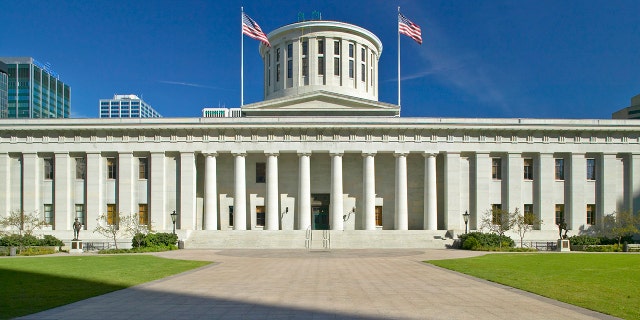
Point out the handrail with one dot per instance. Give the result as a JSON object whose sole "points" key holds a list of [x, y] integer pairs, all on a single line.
{"points": [[326, 239], [308, 237]]}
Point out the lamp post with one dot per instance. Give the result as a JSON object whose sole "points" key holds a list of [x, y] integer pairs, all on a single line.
{"points": [[173, 219], [465, 216]]}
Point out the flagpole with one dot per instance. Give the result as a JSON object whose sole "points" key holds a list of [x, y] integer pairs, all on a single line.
{"points": [[241, 60], [399, 105]]}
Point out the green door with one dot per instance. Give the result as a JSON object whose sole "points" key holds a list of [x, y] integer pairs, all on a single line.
{"points": [[320, 216]]}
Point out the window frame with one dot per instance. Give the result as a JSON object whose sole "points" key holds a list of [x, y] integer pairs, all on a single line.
{"points": [[112, 214], [112, 168], [48, 168], [143, 214], [559, 213], [496, 168], [48, 214], [81, 168], [260, 216], [261, 172], [559, 169], [591, 214], [143, 168], [591, 169]]}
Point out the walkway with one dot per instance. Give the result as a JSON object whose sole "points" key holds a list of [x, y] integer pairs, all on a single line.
{"points": [[340, 284]]}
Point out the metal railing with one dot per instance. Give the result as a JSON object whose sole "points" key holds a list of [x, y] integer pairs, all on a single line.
{"points": [[542, 245], [308, 237]]}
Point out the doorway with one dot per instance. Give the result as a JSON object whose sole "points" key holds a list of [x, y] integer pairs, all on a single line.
{"points": [[320, 211]]}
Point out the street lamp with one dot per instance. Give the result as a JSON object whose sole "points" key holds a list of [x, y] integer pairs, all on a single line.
{"points": [[173, 219], [465, 216]]}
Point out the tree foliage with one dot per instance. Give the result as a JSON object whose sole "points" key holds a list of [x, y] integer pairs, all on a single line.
{"points": [[498, 221], [618, 225], [116, 227], [21, 223], [523, 223]]}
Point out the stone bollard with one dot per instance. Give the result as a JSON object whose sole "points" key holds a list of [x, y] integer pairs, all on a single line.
{"points": [[12, 251]]}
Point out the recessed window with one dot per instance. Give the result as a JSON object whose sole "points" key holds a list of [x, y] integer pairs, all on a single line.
{"points": [[48, 214], [528, 213], [289, 50], [351, 69], [80, 214], [230, 216], [112, 214], [378, 212], [336, 48], [351, 50], [305, 47], [320, 46], [336, 66], [143, 214], [261, 172], [278, 72], [591, 169], [321, 66], [289, 69], [112, 172], [559, 169], [528, 169], [591, 214], [278, 55], [48, 168], [496, 213], [305, 67], [143, 168], [559, 213], [496, 168], [260, 216]]}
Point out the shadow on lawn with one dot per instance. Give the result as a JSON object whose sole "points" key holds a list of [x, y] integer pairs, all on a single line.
{"points": [[28, 294]]}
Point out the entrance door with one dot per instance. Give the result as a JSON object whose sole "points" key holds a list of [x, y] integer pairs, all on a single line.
{"points": [[320, 217]]}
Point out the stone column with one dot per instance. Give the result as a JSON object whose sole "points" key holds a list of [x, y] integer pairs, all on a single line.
{"points": [[607, 186], [187, 213], [126, 185], [369, 191], [543, 179], [337, 210], [62, 195], [159, 213], [240, 193], [5, 184], [401, 207], [94, 196], [430, 193], [575, 207], [210, 192], [31, 177], [512, 185], [304, 191], [272, 207], [481, 202], [452, 210]]}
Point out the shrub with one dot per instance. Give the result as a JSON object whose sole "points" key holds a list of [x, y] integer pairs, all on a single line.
{"points": [[583, 240], [485, 241], [154, 240], [49, 240], [36, 251], [16, 240]]}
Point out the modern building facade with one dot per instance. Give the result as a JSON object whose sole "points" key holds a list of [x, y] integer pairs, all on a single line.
{"points": [[34, 90], [320, 153], [630, 112], [4, 90], [126, 106]]}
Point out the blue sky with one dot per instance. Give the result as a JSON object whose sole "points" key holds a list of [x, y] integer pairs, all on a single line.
{"points": [[518, 58]]}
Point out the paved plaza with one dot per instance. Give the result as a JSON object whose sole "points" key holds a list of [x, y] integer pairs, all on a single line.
{"points": [[337, 284]]}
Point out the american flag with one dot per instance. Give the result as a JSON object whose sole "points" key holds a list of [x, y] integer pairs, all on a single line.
{"points": [[252, 29], [408, 28]]}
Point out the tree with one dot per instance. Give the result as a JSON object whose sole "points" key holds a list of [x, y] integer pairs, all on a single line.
{"points": [[618, 225], [497, 221], [523, 223], [114, 227], [137, 229], [21, 223]]}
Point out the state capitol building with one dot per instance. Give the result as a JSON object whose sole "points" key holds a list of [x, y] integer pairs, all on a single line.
{"points": [[319, 153]]}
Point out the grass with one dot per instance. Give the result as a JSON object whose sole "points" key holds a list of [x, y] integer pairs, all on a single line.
{"points": [[35, 284], [606, 283]]}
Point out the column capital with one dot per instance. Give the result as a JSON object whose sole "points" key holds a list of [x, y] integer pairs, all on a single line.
{"points": [[428, 154], [61, 153], [272, 153], [209, 153], [239, 154], [304, 153], [127, 153], [339, 154], [400, 154], [368, 154]]}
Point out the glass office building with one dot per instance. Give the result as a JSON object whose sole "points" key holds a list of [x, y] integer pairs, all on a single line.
{"points": [[126, 106], [4, 81], [34, 90]]}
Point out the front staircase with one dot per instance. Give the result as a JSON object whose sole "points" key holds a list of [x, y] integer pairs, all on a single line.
{"points": [[298, 239]]}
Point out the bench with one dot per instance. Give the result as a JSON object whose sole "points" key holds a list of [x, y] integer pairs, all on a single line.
{"points": [[633, 247]]}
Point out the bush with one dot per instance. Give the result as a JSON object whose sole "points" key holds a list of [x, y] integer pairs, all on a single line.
{"points": [[49, 240], [154, 240], [604, 248], [583, 240], [16, 240], [36, 251], [485, 241]]}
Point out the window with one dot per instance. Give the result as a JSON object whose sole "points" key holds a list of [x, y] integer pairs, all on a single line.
{"points": [[289, 69], [321, 66], [278, 72], [591, 169], [261, 172], [81, 168], [305, 47], [143, 214], [260, 216], [350, 50], [559, 213], [336, 66], [111, 168], [80, 214], [350, 68], [559, 169], [591, 214], [363, 68], [48, 168], [363, 54], [290, 51], [143, 168], [278, 55], [48, 214], [528, 214], [336, 48], [496, 213], [496, 168], [320, 46], [378, 216], [112, 215], [230, 216], [528, 169], [305, 67]]}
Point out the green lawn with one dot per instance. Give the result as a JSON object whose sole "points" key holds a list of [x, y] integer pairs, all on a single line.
{"points": [[33, 284], [608, 283]]}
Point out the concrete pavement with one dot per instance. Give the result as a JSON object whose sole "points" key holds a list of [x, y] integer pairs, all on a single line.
{"points": [[337, 284]]}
